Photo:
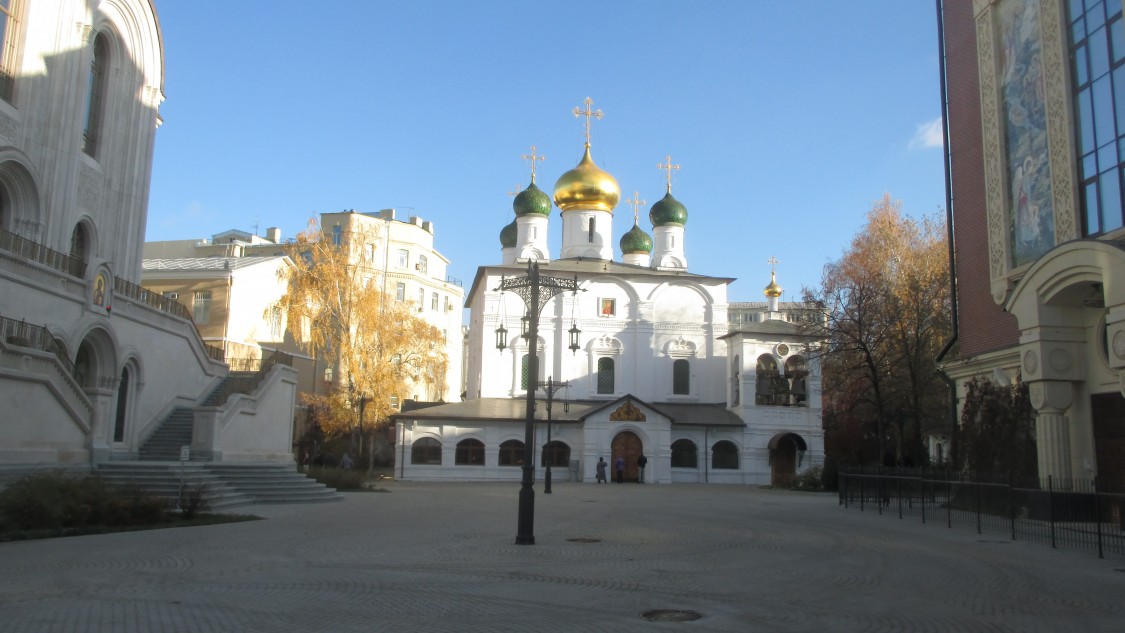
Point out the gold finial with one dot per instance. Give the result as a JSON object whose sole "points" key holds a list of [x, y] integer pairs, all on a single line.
{"points": [[668, 167], [597, 114], [533, 158], [773, 262], [519, 187], [637, 204]]}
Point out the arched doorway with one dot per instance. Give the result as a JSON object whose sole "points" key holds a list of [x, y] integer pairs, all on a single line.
{"points": [[626, 444], [783, 457]]}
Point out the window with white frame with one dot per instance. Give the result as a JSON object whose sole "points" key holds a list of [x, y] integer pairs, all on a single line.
{"points": [[400, 291], [423, 265], [201, 306], [402, 258]]}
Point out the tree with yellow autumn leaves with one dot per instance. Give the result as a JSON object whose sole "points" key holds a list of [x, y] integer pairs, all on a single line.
{"points": [[886, 316], [377, 346]]}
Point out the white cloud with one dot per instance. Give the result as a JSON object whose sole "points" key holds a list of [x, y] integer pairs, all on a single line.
{"points": [[927, 135]]}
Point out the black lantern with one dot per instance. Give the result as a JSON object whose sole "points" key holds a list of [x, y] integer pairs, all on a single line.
{"points": [[574, 332], [524, 321], [501, 337]]}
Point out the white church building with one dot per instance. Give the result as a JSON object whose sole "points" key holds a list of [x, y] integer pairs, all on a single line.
{"points": [[648, 362]]}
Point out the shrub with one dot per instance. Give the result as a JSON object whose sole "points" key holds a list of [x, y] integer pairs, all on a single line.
{"points": [[811, 480], [193, 499], [54, 501], [339, 478]]}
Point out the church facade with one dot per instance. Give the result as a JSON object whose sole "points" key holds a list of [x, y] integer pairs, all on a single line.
{"points": [[634, 357]]}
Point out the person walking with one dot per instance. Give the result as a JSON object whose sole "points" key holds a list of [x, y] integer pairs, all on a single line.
{"points": [[619, 466], [601, 471], [642, 461]]}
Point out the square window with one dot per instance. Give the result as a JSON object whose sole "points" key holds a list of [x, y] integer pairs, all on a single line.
{"points": [[402, 259]]}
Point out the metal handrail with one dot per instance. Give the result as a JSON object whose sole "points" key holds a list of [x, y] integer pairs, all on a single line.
{"points": [[151, 298], [39, 253], [37, 337]]}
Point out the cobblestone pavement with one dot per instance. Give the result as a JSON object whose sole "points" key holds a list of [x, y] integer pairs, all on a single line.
{"points": [[441, 557]]}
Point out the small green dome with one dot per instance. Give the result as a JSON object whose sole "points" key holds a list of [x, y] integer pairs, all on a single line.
{"points": [[508, 235], [532, 201], [668, 211], [636, 241]]}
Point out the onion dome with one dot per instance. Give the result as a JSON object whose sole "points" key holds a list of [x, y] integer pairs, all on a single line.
{"points": [[773, 290], [532, 201], [636, 241], [508, 235], [587, 186], [668, 210]]}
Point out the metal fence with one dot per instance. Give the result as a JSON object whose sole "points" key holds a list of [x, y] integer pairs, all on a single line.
{"points": [[36, 252], [34, 336], [1077, 513]]}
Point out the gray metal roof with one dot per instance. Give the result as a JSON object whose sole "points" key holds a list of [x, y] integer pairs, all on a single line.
{"points": [[515, 410], [204, 263]]}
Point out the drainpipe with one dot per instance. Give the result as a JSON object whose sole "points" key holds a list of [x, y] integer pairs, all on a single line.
{"points": [[949, 229]]}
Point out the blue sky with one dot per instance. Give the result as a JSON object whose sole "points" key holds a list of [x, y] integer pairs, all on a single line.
{"points": [[788, 119]]}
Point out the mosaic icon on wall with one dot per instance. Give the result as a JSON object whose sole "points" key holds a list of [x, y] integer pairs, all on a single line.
{"points": [[1031, 220]]}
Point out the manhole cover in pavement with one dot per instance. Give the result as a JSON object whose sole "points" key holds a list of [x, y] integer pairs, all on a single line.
{"points": [[671, 615], [584, 540]]}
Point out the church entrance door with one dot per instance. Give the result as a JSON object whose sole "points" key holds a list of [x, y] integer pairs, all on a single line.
{"points": [[783, 462], [627, 445]]}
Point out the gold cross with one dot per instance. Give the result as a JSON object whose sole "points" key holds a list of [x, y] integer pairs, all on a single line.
{"points": [[637, 204], [516, 191], [534, 158], [668, 167], [773, 262], [597, 114]]}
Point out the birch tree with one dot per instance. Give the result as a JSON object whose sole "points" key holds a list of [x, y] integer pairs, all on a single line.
{"points": [[377, 346]]}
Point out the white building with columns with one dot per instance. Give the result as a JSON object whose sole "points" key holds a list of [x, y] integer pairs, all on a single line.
{"points": [[649, 364]]}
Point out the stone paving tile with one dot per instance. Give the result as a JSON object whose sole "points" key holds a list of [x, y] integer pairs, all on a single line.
{"points": [[441, 557]]}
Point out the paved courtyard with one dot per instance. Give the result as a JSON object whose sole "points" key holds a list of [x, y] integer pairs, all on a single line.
{"points": [[440, 557]]}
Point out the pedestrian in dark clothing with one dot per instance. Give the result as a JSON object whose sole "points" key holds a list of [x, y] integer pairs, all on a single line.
{"points": [[642, 461], [601, 471], [619, 465]]}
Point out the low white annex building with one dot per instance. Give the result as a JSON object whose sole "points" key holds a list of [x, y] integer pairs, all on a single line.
{"points": [[649, 362]]}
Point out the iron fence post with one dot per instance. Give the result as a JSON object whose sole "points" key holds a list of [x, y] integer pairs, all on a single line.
{"points": [[922, 493], [948, 500], [978, 505], [1098, 517], [879, 490], [861, 491], [1012, 506], [1051, 507], [900, 495]]}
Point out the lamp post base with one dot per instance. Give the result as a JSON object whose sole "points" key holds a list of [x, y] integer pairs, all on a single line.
{"points": [[525, 533], [547, 481]]}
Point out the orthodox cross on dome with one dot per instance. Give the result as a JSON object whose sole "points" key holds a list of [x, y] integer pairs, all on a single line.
{"points": [[668, 167], [597, 114], [637, 204], [533, 158], [517, 189], [773, 262]]}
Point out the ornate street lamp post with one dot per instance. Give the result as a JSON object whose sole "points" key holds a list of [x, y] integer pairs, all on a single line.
{"points": [[536, 291], [550, 386]]}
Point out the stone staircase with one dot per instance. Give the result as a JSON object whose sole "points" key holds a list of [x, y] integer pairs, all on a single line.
{"points": [[225, 486], [175, 431]]}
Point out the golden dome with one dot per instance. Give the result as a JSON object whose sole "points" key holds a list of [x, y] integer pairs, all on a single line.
{"points": [[773, 290], [587, 186]]}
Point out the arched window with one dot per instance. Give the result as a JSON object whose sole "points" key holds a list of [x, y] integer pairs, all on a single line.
{"points": [[796, 372], [591, 231], [426, 451], [511, 453], [523, 371], [95, 95], [122, 403], [681, 377], [557, 454], [469, 453], [768, 389], [9, 30], [605, 375], [724, 455], [423, 264], [684, 454], [79, 243]]}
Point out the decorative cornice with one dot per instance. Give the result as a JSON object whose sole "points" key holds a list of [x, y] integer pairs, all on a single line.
{"points": [[993, 152]]}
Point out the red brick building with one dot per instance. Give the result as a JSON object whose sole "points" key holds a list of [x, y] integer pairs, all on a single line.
{"points": [[1035, 93]]}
